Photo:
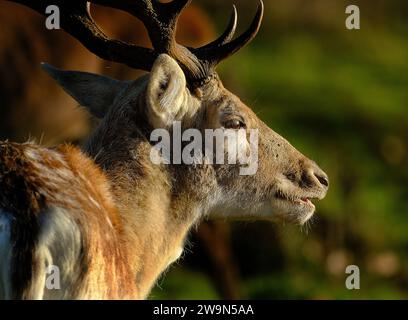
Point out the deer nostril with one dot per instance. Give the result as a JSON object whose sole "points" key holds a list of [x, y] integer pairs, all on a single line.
{"points": [[323, 180], [291, 177]]}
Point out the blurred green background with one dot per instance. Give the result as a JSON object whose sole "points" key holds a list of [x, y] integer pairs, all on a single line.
{"points": [[340, 97]]}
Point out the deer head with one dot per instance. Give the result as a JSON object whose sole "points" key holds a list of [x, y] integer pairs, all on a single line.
{"points": [[184, 86]]}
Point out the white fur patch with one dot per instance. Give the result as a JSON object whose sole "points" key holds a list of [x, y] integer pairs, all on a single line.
{"points": [[5, 255], [59, 245]]}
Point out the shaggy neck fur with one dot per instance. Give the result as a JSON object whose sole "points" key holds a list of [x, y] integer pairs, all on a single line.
{"points": [[156, 214]]}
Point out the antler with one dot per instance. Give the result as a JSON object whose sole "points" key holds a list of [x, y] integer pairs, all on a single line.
{"points": [[160, 20]]}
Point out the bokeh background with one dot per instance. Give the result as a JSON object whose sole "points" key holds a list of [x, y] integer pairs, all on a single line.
{"points": [[339, 96]]}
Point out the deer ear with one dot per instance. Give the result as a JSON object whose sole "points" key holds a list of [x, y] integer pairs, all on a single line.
{"points": [[92, 91], [166, 92]]}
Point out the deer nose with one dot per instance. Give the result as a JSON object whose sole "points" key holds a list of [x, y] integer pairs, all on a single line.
{"points": [[315, 176]]}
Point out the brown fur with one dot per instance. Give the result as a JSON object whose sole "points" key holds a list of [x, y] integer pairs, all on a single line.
{"points": [[27, 191]]}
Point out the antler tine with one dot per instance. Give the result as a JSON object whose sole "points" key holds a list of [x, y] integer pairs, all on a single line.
{"points": [[215, 55], [228, 33]]}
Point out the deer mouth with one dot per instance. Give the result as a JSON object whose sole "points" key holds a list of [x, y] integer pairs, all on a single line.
{"points": [[297, 208], [305, 200]]}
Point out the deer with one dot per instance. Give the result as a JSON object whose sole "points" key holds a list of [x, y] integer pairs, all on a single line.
{"points": [[109, 218]]}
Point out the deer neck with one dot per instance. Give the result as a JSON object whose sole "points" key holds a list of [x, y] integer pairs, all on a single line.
{"points": [[155, 217], [153, 228]]}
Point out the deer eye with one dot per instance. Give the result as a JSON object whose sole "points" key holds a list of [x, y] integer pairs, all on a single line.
{"points": [[234, 124]]}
